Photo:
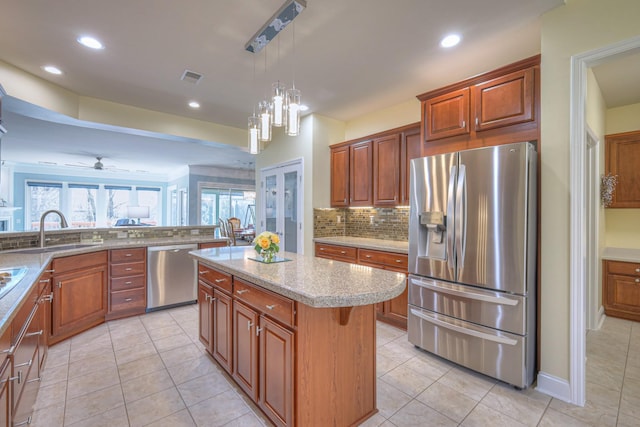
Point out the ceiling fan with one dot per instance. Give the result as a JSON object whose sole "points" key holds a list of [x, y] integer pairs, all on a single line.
{"points": [[98, 165]]}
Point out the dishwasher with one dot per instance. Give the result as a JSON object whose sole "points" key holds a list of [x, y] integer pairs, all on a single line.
{"points": [[171, 276]]}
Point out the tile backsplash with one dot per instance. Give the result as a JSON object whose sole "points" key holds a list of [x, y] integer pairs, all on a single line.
{"points": [[375, 223]]}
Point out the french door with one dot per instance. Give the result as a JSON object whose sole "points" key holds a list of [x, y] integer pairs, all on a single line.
{"points": [[281, 187]]}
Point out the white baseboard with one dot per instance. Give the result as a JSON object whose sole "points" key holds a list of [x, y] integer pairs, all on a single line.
{"points": [[600, 317], [554, 386]]}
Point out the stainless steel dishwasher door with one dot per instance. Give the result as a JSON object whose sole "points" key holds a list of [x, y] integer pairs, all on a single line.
{"points": [[171, 276]]}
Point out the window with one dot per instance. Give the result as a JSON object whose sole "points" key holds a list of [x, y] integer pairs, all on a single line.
{"points": [[83, 205], [118, 198], [41, 197], [216, 203], [150, 196]]}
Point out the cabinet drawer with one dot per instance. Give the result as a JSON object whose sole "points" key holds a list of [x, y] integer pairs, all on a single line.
{"points": [[126, 283], [273, 305], [628, 268], [128, 255], [128, 300], [340, 253], [215, 277], [128, 269], [388, 260], [77, 262]]}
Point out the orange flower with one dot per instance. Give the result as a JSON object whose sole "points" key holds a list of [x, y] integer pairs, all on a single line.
{"points": [[264, 243], [275, 239]]}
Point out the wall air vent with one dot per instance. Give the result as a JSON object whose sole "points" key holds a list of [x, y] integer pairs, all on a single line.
{"points": [[191, 77]]}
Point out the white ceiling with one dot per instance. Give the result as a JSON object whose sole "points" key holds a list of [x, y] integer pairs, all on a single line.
{"points": [[351, 57]]}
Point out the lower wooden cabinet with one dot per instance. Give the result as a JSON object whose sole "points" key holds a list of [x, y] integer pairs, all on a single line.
{"points": [[5, 391], [621, 289], [127, 282], [79, 285], [393, 311], [222, 349], [245, 349], [205, 311]]}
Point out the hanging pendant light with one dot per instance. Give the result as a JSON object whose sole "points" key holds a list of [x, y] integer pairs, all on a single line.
{"points": [[278, 104], [254, 134], [264, 111], [293, 112]]}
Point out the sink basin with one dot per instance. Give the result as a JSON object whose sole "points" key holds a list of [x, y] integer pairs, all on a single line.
{"points": [[55, 248]]}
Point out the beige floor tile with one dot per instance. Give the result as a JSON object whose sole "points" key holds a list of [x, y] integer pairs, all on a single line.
{"points": [[219, 410], [124, 327], [139, 351], [158, 319], [90, 350], [146, 385], [630, 402], [625, 420], [90, 335], [429, 366], [483, 416], [527, 406], [192, 369], [375, 421], [180, 355], [92, 404], [57, 356], [124, 341], [602, 372], [467, 382], [92, 364], [140, 367], [447, 401], [154, 407], [390, 399], [416, 414], [600, 409], [166, 331], [93, 381], [179, 419], [168, 343], [407, 380], [246, 420], [116, 417], [385, 364], [54, 374], [52, 416], [53, 395], [553, 418], [202, 388]]}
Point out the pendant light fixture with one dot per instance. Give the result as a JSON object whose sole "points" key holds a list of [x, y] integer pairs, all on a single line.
{"points": [[254, 122], [293, 97], [278, 104], [264, 110]]}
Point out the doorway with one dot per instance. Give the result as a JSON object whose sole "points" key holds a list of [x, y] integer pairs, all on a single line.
{"points": [[282, 204], [595, 313]]}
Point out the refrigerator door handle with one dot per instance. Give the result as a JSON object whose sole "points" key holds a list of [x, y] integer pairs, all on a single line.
{"points": [[463, 330], [461, 217], [465, 294], [450, 218]]}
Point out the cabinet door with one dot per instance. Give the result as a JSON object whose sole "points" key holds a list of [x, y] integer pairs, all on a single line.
{"points": [[205, 310], [504, 101], [340, 176], [245, 349], [411, 149], [622, 157], [360, 174], [276, 372], [622, 296], [447, 115], [5, 397], [222, 330], [396, 309], [79, 300], [386, 171]]}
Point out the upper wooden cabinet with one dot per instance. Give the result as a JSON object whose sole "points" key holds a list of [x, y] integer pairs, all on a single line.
{"points": [[447, 115], [340, 176], [503, 101], [374, 170], [360, 174], [622, 157]]}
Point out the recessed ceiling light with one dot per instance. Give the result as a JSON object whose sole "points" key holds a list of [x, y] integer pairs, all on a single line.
{"points": [[194, 104], [450, 40], [90, 42], [52, 69]]}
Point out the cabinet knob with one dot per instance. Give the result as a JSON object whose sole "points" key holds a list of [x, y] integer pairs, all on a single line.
{"points": [[637, 280], [128, 299], [368, 256], [398, 261], [129, 255], [271, 307], [342, 252], [637, 270]]}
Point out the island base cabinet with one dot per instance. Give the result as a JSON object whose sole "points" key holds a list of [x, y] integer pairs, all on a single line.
{"points": [[276, 372], [245, 349], [205, 312], [222, 333]]}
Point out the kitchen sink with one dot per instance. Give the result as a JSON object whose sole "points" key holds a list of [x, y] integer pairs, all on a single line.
{"points": [[55, 248]]}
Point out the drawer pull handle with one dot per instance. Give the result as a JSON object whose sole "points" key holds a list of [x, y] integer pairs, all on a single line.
{"points": [[211, 300], [127, 283], [128, 299], [48, 297], [398, 261], [44, 281], [271, 307], [23, 423], [19, 377], [202, 272], [33, 334], [637, 270], [23, 364], [242, 291], [342, 252], [35, 380], [258, 331], [129, 255], [368, 256], [220, 280], [128, 269], [322, 249], [49, 271], [637, 280]]}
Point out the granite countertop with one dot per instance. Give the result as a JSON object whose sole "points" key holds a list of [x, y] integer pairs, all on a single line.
{"points": [[316, 282], [37, 263], [396, 246], [621, 254]]}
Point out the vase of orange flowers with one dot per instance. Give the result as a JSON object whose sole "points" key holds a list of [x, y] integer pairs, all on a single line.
{"points": [[266, 245]]}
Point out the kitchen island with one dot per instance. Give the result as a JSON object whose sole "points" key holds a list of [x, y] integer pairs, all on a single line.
{"points": [[300, 337]]}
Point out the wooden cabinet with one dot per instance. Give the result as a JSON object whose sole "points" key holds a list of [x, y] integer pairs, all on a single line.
{"points": [[340, 176], [498, 107], [393, 311], [411, 149], [621, 289], [386, 171], [245, 349], [5, 390], [205, 310], [622, 157], [79, 285], [446, 115], [208, 245], [222, 330], [360, 174], [127, 282]]}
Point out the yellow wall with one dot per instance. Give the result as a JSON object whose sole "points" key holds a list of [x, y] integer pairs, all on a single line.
{"points": [[392, 117], [623, 225], [579, 26]]}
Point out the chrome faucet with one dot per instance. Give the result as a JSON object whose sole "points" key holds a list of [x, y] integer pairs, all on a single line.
{"points": [[63, 223]]}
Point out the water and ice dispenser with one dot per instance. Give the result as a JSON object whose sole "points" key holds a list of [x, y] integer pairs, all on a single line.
{"points": [[433, 235]]}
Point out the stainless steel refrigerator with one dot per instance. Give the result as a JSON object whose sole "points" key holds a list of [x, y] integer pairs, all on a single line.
{"points": [[472, 259]]}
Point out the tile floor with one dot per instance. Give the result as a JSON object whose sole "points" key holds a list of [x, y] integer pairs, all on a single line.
{"points": [[152, 370]]}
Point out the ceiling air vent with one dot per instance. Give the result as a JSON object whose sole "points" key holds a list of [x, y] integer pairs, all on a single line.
{"points": [[191, 77]]}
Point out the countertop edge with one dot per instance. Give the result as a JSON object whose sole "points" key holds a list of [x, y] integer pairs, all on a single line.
{"points": [[621, 254], [396, 246]]}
